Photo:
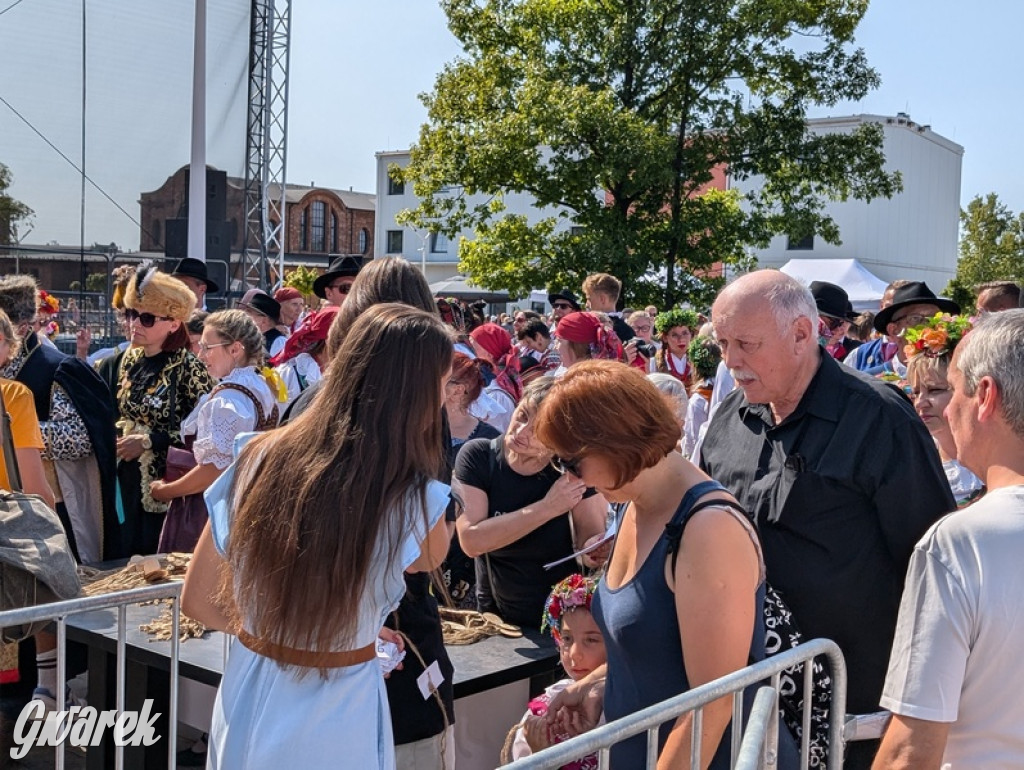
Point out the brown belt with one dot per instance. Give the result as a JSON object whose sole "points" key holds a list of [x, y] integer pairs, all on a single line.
{"points": [[307, 658]]}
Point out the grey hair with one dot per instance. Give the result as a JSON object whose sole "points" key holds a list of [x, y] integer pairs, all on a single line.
{"points": [[789, 300], [237, 326], [675, 390], [995, 348], [536, 392], [19, 298]]}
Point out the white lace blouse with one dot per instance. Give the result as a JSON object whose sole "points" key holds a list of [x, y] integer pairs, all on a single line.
{"points": [[219, 417]]}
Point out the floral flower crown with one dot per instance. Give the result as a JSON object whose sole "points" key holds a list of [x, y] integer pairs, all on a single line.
{"points": [[48, 303], [937, 336], [570, 594]]}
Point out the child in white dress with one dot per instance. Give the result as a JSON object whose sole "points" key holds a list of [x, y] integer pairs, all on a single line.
{"points": [[581, 650]]}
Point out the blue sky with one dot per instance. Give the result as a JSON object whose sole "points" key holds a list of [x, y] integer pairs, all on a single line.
{"points": [[357, 69]]}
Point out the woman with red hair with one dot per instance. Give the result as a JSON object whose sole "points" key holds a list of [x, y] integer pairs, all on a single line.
{"points": [[582, 336], [680, 603]]}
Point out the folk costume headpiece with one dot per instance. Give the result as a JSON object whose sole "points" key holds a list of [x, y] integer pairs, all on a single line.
{"points": [[572, 593], [586, 328], [121, 277], [151, 291], [494, 339], [670, 319], [48, 304], [312, 330], [938, 336]]}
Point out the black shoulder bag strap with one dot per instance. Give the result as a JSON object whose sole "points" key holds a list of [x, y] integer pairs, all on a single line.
{"points": [[10, 458]]}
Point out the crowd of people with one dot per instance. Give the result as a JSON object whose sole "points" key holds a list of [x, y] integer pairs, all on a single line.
{"points": [[672, 495]]}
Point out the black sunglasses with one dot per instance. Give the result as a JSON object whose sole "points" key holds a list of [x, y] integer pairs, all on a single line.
{"points": [[562, 306], [146, 319], [832, 322], [564, 466], [341, 288]]}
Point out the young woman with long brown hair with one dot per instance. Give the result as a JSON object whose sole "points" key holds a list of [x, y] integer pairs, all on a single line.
{"points": [[310, 533]]}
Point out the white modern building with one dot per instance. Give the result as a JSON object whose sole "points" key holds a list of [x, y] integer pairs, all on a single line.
{"points": [[437, 254], [912, 235]]}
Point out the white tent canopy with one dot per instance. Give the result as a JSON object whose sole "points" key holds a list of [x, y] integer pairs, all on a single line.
{"points": [[864, 288]]}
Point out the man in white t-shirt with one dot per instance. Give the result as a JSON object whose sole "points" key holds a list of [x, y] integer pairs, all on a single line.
{"points": [[955, 676]]}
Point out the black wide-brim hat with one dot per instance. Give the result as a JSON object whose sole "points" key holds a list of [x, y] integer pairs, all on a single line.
{"points": [[567, 295], [914, 293], [832, 300], [261, 302], [190, 267], [342, 266]]}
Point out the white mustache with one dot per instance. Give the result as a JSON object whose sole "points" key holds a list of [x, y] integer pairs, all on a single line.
{"points": [[742, 374]]}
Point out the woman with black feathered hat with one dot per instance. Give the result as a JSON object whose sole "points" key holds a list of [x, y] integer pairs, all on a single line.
{"points": [[159, 383]]}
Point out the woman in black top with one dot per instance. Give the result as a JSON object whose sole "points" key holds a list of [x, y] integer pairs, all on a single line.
{"points": [[521, 514]]}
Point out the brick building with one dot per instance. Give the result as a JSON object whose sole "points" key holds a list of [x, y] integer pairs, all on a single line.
{"points": [[321, 221]]}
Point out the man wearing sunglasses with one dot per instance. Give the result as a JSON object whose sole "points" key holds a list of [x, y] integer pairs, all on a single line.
{"points": [[562, 303], [835, 314], [335, 283]]}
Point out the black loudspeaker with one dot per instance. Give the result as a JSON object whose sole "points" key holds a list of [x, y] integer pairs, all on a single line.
{"points": [[218, 239], [176, 238], [216, 194]]}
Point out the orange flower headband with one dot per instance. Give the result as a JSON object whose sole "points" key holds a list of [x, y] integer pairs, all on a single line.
{"points": [[48, 303], [938, 336]]}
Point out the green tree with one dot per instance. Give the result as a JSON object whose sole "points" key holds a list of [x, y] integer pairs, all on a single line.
{"points": [[96, 282], [11, 211], [991, 247], [618, 114]]}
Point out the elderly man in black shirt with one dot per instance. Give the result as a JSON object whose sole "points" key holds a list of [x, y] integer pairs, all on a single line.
{"points": [[836, 469]]}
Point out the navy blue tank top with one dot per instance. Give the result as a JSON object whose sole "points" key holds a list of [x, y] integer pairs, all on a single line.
{"points": [[645, 654]]}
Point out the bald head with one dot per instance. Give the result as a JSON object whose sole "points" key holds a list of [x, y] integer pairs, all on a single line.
{"points": [[773, 291], [767, 326]]}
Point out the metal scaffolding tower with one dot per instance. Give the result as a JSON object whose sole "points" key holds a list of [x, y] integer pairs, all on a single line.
{"points": [[262, 253]]}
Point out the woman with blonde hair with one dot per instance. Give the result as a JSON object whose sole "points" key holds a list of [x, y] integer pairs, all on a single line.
{"points": [[305, 567], [231, 347]]}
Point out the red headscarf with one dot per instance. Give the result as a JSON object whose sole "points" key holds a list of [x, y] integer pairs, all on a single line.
{"points": [[286, 293], [312, 330], [587, 329], [492, 338]]}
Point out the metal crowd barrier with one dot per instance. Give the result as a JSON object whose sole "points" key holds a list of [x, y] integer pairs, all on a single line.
{"points": [[753, 747], [59, 612]]}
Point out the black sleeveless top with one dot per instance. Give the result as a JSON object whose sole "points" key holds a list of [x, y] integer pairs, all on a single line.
{"points": [[645, 654]]}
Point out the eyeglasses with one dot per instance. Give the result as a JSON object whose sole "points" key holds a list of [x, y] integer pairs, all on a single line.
{"points": [[146, 319], [641, 328], [562, 306], [914, 319], [341, 288], [564, 466], [204, 348]]}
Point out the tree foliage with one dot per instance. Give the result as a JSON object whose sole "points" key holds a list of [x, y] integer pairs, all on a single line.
{"points": [[12, 211], [991, 247], [615, 115]]}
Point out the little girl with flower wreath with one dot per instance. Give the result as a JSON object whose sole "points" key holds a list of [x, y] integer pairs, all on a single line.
{"points": [[581, 650]]}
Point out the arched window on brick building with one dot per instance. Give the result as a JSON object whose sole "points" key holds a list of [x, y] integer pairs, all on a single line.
{"points": [[318, 216]]}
